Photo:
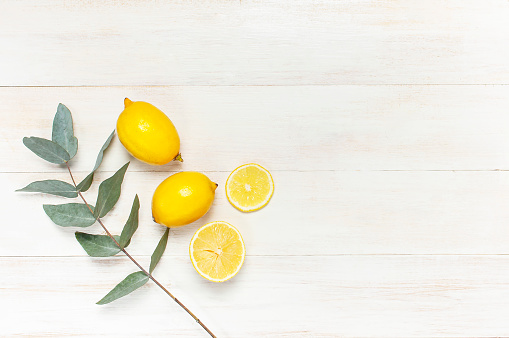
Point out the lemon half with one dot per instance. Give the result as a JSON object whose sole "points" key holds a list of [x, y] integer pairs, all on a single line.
{"points": [[217, 251], [249, 187]]}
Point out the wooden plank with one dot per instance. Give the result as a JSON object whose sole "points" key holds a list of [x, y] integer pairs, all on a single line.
{"points": [[362, 296], [56, 42], [286, 128], [310, 213]]}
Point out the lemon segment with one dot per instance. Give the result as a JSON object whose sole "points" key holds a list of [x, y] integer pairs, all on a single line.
{"points": [[217, 251], [249, 187]]}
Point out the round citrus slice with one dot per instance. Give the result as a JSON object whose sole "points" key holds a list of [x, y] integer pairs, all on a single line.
{"points": [[249, 187], [217, 251]]}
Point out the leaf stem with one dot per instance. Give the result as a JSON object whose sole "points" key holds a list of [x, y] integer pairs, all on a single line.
{"points": [[137, 264]]}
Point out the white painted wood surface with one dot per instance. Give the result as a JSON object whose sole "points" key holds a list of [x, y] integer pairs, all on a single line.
{"points": [[306, 128], [384, 123], [346, 295], [158, 42]]}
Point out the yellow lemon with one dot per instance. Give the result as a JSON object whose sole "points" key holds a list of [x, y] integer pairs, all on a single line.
{"points": [[147, 133], [249, 187], [217, 251], [182, 198]]}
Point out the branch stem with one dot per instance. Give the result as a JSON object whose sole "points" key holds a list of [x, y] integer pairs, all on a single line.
{"points": [[138, 264]]}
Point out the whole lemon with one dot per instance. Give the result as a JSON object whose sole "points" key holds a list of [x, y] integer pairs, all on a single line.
{"points": [[147, 133], [182, 198]]}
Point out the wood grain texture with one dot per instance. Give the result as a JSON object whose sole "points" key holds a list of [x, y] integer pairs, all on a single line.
{"points": [[311, 213], [84, 42], [285, 128], [362, 296]]}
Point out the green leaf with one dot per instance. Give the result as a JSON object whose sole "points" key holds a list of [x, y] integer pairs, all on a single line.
{"points": [[63, 132], [109, 192], [70, 215], [131, 225], [53, 187], [105, 146], [87, 182], [98, 245], [158, 252], [125, 287], [46, 149]]}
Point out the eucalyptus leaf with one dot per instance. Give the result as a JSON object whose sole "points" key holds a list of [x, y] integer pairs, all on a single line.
{"points": [[53, 187], [131, 225], [125, 287], [98, 245], [70, 215], [105, 146], [63, 132], [46, 149], [158, 252], [109, 192], [87, 182]]}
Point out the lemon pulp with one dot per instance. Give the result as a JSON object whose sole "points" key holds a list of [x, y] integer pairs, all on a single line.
{"points": [[249, 187], [217, 251]]}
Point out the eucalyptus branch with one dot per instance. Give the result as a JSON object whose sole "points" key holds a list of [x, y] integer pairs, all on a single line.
{"points": [[135, 262], [62, 147]]}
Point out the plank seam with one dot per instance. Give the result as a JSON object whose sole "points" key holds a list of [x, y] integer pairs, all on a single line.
{"points": [[273, 170], [256, 85], [282, 255]]}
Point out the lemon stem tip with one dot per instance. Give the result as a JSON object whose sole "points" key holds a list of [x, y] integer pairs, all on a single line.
{"points": [[178, 158], [127, 102]]}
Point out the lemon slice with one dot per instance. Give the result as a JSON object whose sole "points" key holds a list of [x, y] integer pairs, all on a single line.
{"points": [[217, 251], [249, 187]]}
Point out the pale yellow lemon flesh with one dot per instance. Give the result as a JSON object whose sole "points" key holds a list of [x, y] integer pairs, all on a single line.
{"points": [[217, 251], [147, 133], [249, 187], [182, 198]]}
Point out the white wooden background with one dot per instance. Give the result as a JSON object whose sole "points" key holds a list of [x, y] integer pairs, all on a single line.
{"points": [[384, 123]]}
